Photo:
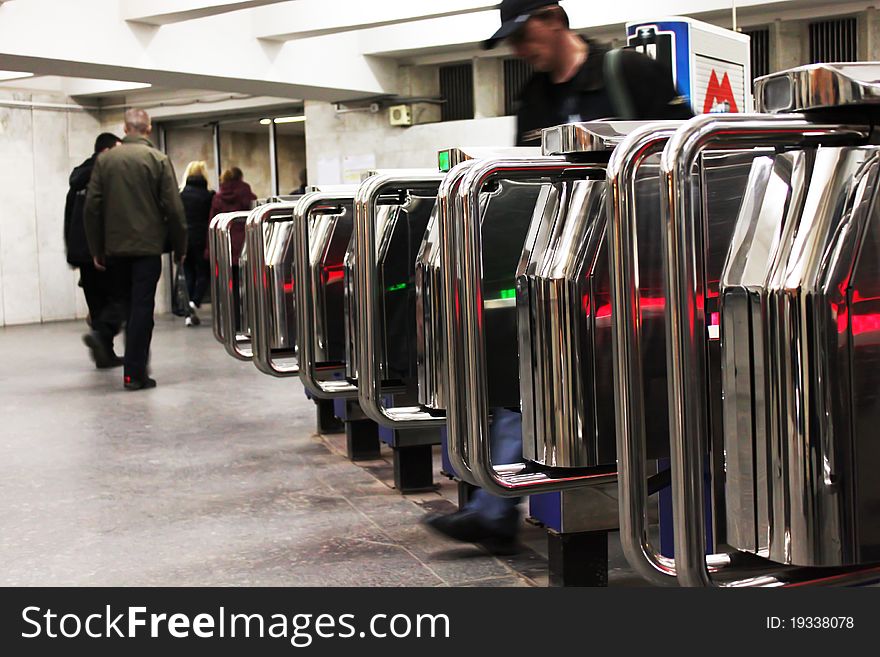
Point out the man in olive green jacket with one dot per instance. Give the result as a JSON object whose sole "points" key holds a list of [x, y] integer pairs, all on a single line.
{"points": [[132, 208]]}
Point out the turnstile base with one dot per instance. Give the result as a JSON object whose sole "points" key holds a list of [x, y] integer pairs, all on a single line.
{"points": [[413, 468], [362, 440], [327, 422], [579, 559], [465, 493]]}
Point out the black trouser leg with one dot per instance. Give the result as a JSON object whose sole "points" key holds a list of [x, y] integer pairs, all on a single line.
{"points": [[198, 273], [189, 270], [144, 276], [114, 314], [96, 288], [203, 279], [236, 299]]}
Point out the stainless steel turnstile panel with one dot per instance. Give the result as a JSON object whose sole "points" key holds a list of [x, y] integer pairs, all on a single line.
{"points": [[228, 307], [323, 225], [791, 346], [429, 314], [271, 251], [392, 210], [385, 216]]}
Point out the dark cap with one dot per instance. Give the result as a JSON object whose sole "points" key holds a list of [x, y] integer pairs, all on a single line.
{"points": [[514, 14]]}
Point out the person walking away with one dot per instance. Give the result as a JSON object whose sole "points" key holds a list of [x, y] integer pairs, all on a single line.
{"points": [[234, 195], [197, 198], [569, 85], [238, 182], [133, 204], [95, 284]]}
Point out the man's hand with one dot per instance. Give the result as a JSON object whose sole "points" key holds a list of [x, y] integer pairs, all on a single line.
{"points": [[99, 263]]}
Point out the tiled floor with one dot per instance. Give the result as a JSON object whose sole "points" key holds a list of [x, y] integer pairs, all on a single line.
{"points": [[213, 478]]}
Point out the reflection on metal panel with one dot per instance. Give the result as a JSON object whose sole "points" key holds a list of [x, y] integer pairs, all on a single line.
{"points": [[269, 273], [797, 366], [329, 238]]}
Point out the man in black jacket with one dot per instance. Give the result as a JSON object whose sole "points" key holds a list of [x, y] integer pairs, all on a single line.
{"points": [[575, 80], [571, 81], [95, 284]]}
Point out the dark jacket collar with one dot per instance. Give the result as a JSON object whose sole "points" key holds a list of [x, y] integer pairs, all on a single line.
{"points": [[79, 177], [128, 139], [197, 181]]}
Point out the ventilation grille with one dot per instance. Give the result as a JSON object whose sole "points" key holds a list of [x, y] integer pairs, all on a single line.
{"points": [[834, 41], [516, 74], [457, 89], [760, 46]]}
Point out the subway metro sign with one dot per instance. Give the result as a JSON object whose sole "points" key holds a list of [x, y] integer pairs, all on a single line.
{"points": [[720, 86]]}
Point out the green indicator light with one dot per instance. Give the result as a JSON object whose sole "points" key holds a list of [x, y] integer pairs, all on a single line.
{"points": [[399, 286], [443, 161], [507, 294]]}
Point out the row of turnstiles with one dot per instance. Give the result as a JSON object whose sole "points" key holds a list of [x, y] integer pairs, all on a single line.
{"points": [[683, 311]]}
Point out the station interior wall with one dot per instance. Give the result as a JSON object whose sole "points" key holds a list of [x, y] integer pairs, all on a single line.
{"points": [[248, 151], [341, 147], [41, 146]]}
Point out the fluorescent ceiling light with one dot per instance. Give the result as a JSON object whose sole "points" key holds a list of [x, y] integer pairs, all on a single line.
{"points": [[14, 75], [284, 119]]}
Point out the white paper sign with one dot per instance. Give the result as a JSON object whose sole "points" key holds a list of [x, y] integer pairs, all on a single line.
{"points": [[355, 166]]}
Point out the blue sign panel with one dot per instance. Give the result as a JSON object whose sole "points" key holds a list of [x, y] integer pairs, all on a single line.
{"points": [[669, 42]]}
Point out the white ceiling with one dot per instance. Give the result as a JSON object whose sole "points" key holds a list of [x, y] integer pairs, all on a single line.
{"points": [[189, 58]]}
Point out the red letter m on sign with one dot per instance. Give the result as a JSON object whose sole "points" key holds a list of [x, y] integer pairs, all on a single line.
{"points": [[719, 95]]}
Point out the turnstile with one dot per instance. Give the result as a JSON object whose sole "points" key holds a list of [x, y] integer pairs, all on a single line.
{"points": [[770, 381], [228, 311], [269, 237], [392, 213], [487, 210], [564, 319], [323, 226]]}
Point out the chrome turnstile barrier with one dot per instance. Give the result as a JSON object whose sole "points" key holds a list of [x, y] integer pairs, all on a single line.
{"points": [[634, 298], [630, 418], [430, 312], [214, 250], [228, 309], [685, 246], [370, 290], [323, 223], [270, 241], [464, 291]]}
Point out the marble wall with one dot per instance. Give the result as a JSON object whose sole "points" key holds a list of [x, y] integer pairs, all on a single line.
{"points": [[38, 149], [340, 146], [248, 151]]}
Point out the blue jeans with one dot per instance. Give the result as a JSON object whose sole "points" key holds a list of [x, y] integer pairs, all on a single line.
{"points": [[505, 438]]}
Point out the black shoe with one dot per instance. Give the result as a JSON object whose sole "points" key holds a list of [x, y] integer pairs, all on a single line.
{"points": [[102, 354], [116, 361], [139, 384], [468, 527]]}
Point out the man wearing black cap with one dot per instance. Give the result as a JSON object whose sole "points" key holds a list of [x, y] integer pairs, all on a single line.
{"points": [[575, 80]]}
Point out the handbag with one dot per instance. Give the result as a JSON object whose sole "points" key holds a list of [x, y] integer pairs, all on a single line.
{"points": [[179, 296]]}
